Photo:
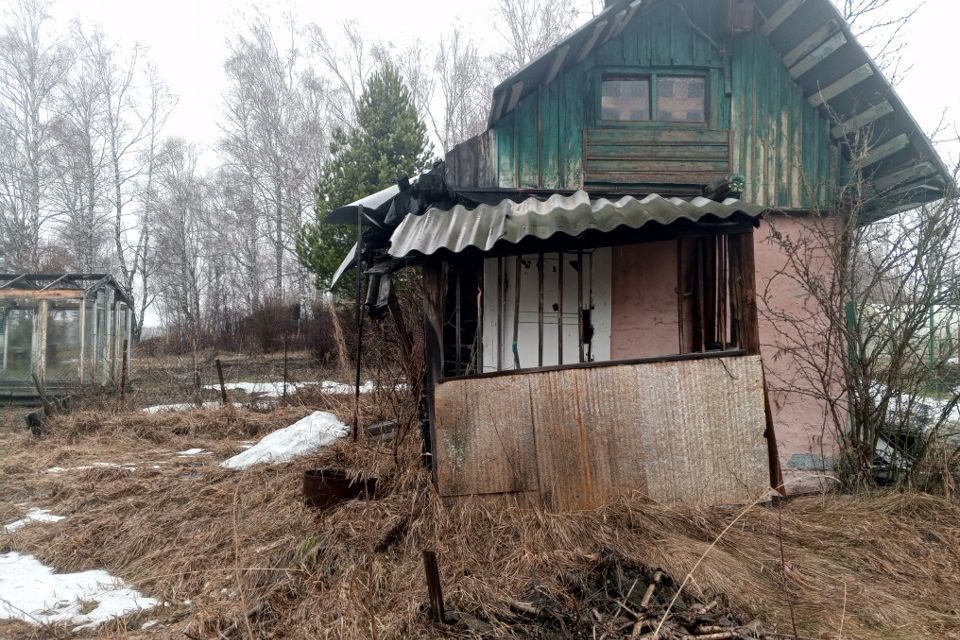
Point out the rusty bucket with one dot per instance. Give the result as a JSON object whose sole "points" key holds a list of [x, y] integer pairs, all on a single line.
{"points": [[324, 488]]}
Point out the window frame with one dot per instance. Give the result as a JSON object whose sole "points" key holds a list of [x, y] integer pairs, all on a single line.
{"points": [[650, 74]]}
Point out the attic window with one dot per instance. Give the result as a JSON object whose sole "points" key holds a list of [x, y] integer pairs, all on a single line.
{"points": [[677, 98]]}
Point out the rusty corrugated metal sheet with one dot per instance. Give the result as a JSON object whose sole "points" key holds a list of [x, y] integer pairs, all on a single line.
{"points": [[483, 227], [688, 432]]}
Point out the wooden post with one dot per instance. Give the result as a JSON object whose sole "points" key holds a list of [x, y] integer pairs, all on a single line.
{"points": [[284, 363], [746, 274], [434, 293], [123, 370], [223, 387], [433, 586], [358, 308]]}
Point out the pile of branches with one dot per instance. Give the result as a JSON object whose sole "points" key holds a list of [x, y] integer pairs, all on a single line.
{"points": [[619, 599]]}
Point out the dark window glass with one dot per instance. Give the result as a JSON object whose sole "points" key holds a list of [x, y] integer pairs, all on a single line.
{"points": [[625, 99], [681, 99]]}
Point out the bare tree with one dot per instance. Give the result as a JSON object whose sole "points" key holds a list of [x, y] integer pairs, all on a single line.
{"points": [[530, 27], [465, 86], [33, 63], [273, 142]]}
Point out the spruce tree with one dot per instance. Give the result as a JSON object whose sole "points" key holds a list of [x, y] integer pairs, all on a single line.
{"points": [[388, 141]]}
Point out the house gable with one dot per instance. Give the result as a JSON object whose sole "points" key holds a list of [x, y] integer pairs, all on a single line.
{"points": [[783, 99]]}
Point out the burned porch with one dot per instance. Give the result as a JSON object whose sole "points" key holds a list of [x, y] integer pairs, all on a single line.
{"points": [[580, 348]]}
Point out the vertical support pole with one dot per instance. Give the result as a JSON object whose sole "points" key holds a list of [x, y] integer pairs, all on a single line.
{"points": [[83, 335], [457, 327], [749, 329], [500, 304], [580, 306], [285, 368], [516, 312], [434, 293], [560, 314], [540, 309], [223, 387], [40, 340], [123, 371], [358, 308], [679, 290], [432, 572]]}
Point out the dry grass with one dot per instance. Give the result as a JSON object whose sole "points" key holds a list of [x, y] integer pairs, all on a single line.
{"points": [[254, 563]]}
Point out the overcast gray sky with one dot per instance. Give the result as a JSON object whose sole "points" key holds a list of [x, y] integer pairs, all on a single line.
{"points": [[186, 39]]}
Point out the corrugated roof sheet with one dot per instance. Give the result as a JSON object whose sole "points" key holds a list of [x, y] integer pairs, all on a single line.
{"points": [[483, 227]]}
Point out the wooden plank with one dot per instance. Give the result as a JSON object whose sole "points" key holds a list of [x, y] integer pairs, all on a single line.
{"points": [[561, 441], [668, 166], [818, 55], [885, 150], [649, 135], [558, 59], [592, 40], [859, 121], [608, 405], [780, 16], [813, 41], [687, 178], [515, 92], [498, 102], [484, 435], [842, 85], [715, 152], [902, 176], [37, 294]]}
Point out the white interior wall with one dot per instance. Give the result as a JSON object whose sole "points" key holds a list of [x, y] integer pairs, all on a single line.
{"points": [[596, 295]]}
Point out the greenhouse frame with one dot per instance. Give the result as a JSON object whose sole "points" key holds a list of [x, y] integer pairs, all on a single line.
{"points": [[67, 330]]}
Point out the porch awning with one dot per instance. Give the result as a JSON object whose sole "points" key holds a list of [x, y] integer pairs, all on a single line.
{"points": [[482, 227]]}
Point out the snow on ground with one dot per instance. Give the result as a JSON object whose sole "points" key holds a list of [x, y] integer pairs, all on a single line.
{"points": [[127, 466], [304, 436], [31, 591], [264, 389], [192, 452], [34, 515], [275, 389], [185, 406]]}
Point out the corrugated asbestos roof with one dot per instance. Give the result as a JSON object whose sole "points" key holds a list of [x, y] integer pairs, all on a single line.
{"points": [[834, 71], [486, 225]]}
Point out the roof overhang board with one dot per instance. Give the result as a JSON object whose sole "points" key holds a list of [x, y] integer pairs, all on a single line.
{"points": [[859, 121], [844, 84], [839, 77]]}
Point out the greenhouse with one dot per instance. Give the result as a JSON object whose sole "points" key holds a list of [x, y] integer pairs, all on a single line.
{"points": [[63, 331]]}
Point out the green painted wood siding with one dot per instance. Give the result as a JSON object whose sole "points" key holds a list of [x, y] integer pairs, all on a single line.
{"points": [[779, 142], [782, 144]]}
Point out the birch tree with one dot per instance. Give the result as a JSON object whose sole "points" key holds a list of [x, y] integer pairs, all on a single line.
{"points": [[33, 63]]}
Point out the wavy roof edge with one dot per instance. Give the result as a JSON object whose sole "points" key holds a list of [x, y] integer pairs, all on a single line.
{"points": [[485, 226]]}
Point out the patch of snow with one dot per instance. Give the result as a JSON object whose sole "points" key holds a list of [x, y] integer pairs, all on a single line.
{"points": [[192, 452], [275, 389], [304, 436], [126, 466], [32, 592], [265, 389], [186, 406], [149, 623], [33, 515]]}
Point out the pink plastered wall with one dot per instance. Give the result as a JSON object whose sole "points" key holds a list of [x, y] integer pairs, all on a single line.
{"points": [[644, 317], [788, 320]]}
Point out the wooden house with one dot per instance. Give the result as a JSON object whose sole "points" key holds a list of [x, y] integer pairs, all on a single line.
{"points": [[591, 282]]}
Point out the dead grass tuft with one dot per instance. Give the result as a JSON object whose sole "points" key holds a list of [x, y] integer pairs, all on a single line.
{"points": [[253, 562]]}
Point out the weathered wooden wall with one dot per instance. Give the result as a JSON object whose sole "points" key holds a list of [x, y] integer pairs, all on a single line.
{"points": [[688, 432], [779, 142]]}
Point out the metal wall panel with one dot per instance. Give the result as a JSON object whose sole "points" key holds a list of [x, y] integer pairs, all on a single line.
{"points": [[688, 432]]}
